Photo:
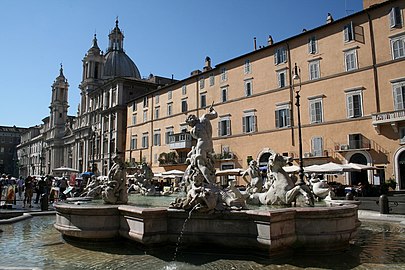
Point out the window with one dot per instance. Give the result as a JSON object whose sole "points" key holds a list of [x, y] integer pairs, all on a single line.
{"points": [[134, 141], [314, 70], [134, 106], [348, 32], [157, 110], [157, 99], [114, 97], [399, 95], [354, 104], [184, 105], [202, 82], [315, 111], [224, 75], [169, 109], [224, 126], [224, 94], [398, 47], [282, 78], [395, 17], [283, 116], [248, 88], [156, 138], [184, 89], [134, 119], [169, 131], [312, 45], [317, 146], [145, 116], [280, 55], [249, 122], [248, 68], [212, 79], [145, 143], [203, 100], [350, 60], [169, 94]]}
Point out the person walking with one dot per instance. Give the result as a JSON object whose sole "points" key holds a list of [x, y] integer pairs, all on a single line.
{"points": [[29, 186], [20, 187], [40, 189]]}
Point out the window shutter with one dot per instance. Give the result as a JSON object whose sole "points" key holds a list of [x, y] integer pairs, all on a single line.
{"points": [[277, 118], [219, 128], [276, 57], [244, 124], [350, 109], [228, 127], [317, 146], [254, 123], [398, 97], [312, 112]]}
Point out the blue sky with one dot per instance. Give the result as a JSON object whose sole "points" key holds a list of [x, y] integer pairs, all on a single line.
{"points": [[162, 37]]}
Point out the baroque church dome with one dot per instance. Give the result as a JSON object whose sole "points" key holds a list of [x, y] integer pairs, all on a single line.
{"points": [[117, 62]]}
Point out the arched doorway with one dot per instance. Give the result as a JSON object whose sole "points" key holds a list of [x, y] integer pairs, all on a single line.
{"points": [[401, 168], [264, 159], [358, 177]]}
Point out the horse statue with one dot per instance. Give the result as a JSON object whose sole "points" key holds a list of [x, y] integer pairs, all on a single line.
{"points": [[282, 190]]}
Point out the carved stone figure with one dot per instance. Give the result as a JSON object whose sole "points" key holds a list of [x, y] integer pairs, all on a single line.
{"points": [[282, 190], [93, 189], [256, 184], [320, 188], [201, 155], [116, 192]]}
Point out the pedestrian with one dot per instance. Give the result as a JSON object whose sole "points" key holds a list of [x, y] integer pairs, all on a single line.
{"points": [[20, 186], [40, 189], [62, 187], [3, 182], [29, 190]]}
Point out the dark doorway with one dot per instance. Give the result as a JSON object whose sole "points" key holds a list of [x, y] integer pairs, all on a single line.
{"points": [[358, 177], [401, 164]]}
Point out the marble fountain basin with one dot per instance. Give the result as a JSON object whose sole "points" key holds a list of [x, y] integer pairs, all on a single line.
{"points": [[272, 231]]}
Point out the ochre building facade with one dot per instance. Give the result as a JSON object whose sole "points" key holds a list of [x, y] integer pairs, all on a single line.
{"points": [[351, 82]]}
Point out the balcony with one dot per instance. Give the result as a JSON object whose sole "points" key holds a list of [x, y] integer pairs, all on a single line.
{"points": [[181, 140], [388, 118], [356, 142]]}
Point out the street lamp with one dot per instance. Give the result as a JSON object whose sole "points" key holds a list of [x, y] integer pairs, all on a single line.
{"points": [[93, 169], [296, 76]]}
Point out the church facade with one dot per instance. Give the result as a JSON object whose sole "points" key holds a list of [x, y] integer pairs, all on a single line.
{"points": [[89, 140]]}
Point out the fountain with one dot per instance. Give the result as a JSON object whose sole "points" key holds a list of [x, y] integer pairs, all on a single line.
{"points": [[220, 217]]}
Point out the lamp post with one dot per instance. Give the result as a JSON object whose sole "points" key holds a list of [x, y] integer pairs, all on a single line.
{"points": [[296, 76], [93, 168]]}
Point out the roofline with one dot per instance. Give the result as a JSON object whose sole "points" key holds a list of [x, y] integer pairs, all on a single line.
{"points": [[217, 66]]}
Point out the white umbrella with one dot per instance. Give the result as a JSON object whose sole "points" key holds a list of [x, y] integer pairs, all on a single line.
{"points": [[65, 169], [361, 167], [326, 168], [291, 169], [237, 171], [174, 172]]}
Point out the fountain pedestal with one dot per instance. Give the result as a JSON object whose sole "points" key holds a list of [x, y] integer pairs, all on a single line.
{"points": [[273, 231]]}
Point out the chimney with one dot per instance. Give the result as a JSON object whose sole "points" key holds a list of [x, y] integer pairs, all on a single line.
{"points": [[329, 19], [207, 64], [270, 41], [254, 42]]}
